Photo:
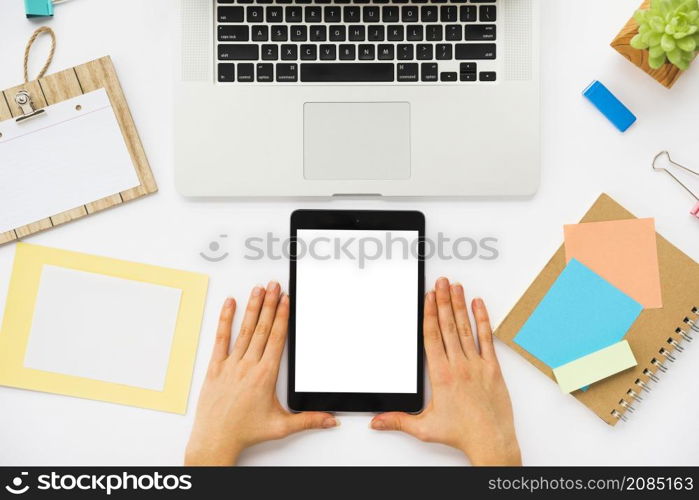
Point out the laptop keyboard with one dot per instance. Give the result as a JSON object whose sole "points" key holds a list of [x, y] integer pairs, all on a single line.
{"points": [[356, 41]]}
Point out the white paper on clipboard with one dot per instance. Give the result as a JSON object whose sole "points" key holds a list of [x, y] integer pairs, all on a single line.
{"points": [[71, 155]]}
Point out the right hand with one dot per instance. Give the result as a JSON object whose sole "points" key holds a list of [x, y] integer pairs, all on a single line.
{"points": [[470, 408]]}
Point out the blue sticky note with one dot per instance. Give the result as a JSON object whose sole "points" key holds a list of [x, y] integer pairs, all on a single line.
{"points": [[610, 106], [38, 8], [581, 313]]}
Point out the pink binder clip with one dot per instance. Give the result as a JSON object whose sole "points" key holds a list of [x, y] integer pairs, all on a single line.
{"points": [[695, 210]]}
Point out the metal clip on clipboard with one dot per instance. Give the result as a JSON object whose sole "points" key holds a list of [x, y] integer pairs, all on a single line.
{"points": [[695, 210]]}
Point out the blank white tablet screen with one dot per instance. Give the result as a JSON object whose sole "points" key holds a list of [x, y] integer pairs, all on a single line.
{"points": [[356, 311]]}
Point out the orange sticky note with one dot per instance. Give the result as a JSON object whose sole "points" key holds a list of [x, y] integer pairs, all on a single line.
{"points": [[624, 252]]}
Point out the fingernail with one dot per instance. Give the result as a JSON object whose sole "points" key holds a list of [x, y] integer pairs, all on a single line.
{"points": [[478, 302], [285, 299], [272, 286], [330, 422], [378, 425], [430, 296], [257, 291], [442, 283], [229, 303], [456, 287]]}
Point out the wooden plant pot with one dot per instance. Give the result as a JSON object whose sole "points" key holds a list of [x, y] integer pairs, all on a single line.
{"points": [[666, 75]]}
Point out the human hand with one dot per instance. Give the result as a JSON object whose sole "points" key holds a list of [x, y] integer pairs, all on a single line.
{"points": [[238, 405], [470, 408]]}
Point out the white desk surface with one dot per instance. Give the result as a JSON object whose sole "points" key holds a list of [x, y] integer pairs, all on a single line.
{"points": [[582, 157]]}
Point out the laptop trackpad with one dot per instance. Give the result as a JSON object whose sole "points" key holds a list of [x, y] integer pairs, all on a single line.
{"points": [[356, 140]]}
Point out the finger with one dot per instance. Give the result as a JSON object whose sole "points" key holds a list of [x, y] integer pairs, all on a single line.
{"points": [[223, 332], [463, 323], [397, 421], [277, 337], [252, 312], [434, 347], [447, 324], [264, 321], [485, 332], [310, 420]]}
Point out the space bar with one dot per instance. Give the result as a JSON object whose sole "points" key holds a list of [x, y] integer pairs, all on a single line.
{"points": [[347, 72]]}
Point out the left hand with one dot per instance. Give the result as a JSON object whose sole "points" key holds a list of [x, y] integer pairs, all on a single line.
{"points": [[238, 405]]}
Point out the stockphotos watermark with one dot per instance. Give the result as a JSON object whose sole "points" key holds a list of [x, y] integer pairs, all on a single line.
{"points": [[101, 483], [366, 249]]}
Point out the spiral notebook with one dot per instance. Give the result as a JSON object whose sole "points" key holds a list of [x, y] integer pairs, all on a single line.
{"points": [[655, 337]]}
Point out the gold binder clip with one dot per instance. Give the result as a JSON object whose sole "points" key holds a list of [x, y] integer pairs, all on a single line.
{"points": [[24, 101]]}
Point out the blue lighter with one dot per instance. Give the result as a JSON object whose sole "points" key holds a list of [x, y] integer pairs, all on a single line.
{"points": [[610, 106], [38, 8]]}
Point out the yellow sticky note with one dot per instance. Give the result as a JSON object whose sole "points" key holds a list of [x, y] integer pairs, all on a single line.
{"points": [[594, 367], [100, 328]]}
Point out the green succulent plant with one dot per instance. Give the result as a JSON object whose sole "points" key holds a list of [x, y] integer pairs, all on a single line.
{"points": [[669, 30]]}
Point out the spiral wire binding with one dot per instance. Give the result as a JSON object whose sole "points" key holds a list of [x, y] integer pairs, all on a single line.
{"points": [[657, 365]]}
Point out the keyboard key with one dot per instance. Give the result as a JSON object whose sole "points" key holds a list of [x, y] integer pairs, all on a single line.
{"points": [[298, 33], [265, 72], [487, 76], [332, 14], [366, 52], [428, 72], [407, 72], [279, 33], [468, 77], [270, 52], [468, 67], [230, 14], [352, 14], [409, 14], [395, 33], [294, 14], [429, 14], [233, 34], [327, 52], [413, 33], [260, 33], [265, 1], [309, 52], [385, 52], [289, 52], [347, 52], [375, 34], [477, 32], [237, 52], [453, 32], [468, 13], [246, 72], [226, 72], [371, 14], [337, 34], [488, 13], [444, 51], [448, 13], [287, 72], [433, 32], [475, 51], [313, 14], [405, 52], [355, 33], [448, 76], [255, 14], [389, 14], [423, 52], [318, 33], [275, 15], [347, 72]]}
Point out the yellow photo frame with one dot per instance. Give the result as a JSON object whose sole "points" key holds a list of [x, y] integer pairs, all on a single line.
{"points": [[19, 311]]}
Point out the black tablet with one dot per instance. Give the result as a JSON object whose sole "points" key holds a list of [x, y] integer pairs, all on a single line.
{"points": [[355, 331]]}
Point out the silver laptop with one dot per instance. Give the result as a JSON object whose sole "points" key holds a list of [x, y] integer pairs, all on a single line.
{"points": [[357, 97]]}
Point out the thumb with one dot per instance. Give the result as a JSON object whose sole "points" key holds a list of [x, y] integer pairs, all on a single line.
{"points": [[311, 420], [396, 421]]}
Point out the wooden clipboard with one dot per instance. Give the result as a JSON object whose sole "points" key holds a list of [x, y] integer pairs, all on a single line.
{"points": [[68, 84]]}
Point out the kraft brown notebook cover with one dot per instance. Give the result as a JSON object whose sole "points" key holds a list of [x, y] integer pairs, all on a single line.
{"points": [[679, 279]]}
